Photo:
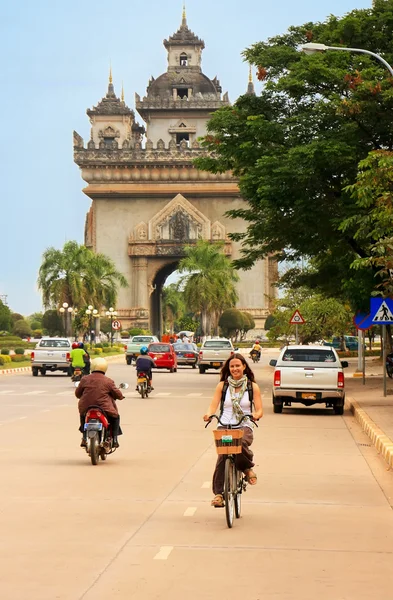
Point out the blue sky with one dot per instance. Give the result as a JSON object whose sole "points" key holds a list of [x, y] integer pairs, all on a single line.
{"points": [[55, 63]]}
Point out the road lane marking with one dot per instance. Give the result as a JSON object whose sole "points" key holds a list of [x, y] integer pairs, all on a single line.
{"points": [[163, 553], [190, 512], [3, 392], [163, 394], [34, 393], [46, 410], [21, 418], [65, 393], [193, 395], [206, 485]]}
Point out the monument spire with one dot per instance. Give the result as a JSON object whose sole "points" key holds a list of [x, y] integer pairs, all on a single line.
{"points": [[184, 16], [111, 89], [250, 88]]}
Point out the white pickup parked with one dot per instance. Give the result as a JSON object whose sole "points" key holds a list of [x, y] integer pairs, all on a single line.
{"points": [[213, 353], [309, 375], [51, 354]]}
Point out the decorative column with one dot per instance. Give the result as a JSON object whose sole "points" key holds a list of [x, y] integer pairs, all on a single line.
{"points": [[141, 291]]}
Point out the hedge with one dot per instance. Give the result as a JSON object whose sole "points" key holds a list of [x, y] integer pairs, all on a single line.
{"points": [[5, 351], [4, 358], [20, 351], [18, 358]]}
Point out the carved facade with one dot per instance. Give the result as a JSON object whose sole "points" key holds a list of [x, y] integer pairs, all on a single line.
{"points": [[148, 199]]}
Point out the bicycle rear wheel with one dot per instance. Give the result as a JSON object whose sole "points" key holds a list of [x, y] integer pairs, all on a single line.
{"points": [[229, 486], [238, 494]]}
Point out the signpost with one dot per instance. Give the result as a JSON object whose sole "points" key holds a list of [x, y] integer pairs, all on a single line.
{"points": [[116, 325], [296, 320]]}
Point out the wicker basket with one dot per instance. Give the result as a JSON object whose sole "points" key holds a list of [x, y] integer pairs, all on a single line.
{"points": [[228, 441]]}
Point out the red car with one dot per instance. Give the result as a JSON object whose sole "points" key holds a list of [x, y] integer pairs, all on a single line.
{"points": [[163, 355]]}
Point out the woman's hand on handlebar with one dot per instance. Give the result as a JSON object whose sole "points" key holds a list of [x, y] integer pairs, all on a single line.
{"points": [[207, 418]]}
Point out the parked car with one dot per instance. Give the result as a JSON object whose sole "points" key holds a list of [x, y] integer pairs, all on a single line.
{"points": [[163, 355], [308, 375], [187, 354], [351, 342]]}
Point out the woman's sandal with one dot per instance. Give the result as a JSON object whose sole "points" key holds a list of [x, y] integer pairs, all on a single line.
{"points": [[218, 501], [251, 477]]}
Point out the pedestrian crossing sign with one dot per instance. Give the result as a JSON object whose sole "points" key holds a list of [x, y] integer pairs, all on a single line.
{"points": [[381, 311]]}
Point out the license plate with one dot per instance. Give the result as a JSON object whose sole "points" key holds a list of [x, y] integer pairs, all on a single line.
{"points": [[180, 354], [309, 396], [227, 439], [93, 426], [141, 380], [216, 364]]}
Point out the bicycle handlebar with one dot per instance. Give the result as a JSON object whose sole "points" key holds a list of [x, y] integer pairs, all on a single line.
{"points": [[228, 425]]}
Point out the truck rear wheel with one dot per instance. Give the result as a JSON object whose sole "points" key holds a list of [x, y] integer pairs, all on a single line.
{"points": [[338, 410], [43, 371], [129, 360], [35, 371], [201, 370]]}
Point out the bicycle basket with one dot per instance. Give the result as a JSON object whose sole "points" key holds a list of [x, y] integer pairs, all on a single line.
{"points": [[228, 441]]}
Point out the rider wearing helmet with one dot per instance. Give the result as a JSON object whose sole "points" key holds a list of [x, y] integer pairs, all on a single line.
{"points": [[77, 358], [86, 369], [144, 364], [98, 390], [256, 348]]}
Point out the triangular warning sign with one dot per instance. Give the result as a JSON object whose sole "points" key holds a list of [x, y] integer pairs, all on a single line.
{"points": [[383, 314], [297, 318]]}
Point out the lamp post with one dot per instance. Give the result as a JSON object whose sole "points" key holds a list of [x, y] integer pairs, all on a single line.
{"points": [[111, 313], [91, 312], [312, 48], [66, 312]]}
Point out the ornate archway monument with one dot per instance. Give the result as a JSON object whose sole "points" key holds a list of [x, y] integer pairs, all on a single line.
{"points": [[149, 202]]}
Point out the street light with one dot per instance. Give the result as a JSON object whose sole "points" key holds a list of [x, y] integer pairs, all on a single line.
{"points": [[111, 313], [313, 48], [91, 312], [66, 312]]}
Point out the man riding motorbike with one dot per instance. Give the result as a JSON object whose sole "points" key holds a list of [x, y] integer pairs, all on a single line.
{"points": [[77, 358], [86, 358], [144, 364], [98, 390], [257, 348]]}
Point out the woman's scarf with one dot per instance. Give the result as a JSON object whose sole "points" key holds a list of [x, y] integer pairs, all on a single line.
{"points": [[236, 397]]}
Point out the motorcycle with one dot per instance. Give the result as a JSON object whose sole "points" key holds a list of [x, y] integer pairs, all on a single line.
{"points": [[77, 375], [143, 384], [255, 355], [99, 438], [389, 365]]}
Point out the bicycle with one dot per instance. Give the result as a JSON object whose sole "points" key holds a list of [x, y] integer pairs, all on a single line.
{"points": [[229, 442]]}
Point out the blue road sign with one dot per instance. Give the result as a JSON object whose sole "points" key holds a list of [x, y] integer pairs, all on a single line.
{"points": [[381, 311]]}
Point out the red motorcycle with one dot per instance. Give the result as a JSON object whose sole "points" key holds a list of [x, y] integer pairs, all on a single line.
{"points": [[98, 431]]}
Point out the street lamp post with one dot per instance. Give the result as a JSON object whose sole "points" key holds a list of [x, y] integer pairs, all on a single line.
{"points": [[91, 312], [111, 313], [66, 313], [313, 48]]}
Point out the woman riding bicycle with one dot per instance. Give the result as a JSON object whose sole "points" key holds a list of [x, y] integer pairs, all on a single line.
{"points": [[237, 394]]}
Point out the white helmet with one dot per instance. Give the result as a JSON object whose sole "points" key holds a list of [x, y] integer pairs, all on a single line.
{"points": [[99, 364]]}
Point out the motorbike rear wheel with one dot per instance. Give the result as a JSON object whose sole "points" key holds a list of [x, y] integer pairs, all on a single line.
{"points": [[94, 450], [389, 370]]}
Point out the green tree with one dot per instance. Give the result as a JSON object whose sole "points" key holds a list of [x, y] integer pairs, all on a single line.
{"points": [[79, 277], [172, 306], [209, 285], [22, 328], [296, 148], [248, 323], [232, 322], [52, 323], [35, 318], [5, 317], [16, 317]]}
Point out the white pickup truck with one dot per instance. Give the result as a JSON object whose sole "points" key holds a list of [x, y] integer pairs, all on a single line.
{"points": [[213, 354], [51, 354], [309, 375]]}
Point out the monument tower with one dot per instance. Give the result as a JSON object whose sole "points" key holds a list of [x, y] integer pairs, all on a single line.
{"points": [[148, 200]]}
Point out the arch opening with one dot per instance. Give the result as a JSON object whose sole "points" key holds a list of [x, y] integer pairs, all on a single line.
{"points": [[156, 316]]}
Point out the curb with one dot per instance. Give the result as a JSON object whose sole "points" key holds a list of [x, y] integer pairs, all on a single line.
{"points": [[17, 370], [381, 441]]}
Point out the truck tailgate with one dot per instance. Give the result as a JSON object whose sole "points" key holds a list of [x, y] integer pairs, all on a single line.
{"points": [[308, 378]]}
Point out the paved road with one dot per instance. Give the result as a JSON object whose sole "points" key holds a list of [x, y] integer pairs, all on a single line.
{"points": [[140, 526]]}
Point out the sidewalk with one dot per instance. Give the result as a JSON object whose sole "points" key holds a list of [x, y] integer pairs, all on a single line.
{"points": [[372, 410]]}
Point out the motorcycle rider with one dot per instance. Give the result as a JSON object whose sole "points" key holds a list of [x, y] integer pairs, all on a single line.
{"points": [[256, 348], [98, 390], [86, 369], [77, 358], [144, 364]]}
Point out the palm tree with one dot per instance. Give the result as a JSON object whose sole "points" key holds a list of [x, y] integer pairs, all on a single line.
{"points": [[60, 275], [102, 279], [78, 276], [209, 287], [172, 305]]}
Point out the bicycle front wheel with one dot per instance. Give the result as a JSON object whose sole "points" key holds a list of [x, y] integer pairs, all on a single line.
{"points": [[229, 487], [238, 494]]}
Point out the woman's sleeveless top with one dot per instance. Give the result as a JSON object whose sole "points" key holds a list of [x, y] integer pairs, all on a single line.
{"points": [[229, 417]]}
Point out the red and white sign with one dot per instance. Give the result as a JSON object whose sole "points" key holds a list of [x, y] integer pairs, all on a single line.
{"points": [[116, 325], [297, 319]]}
